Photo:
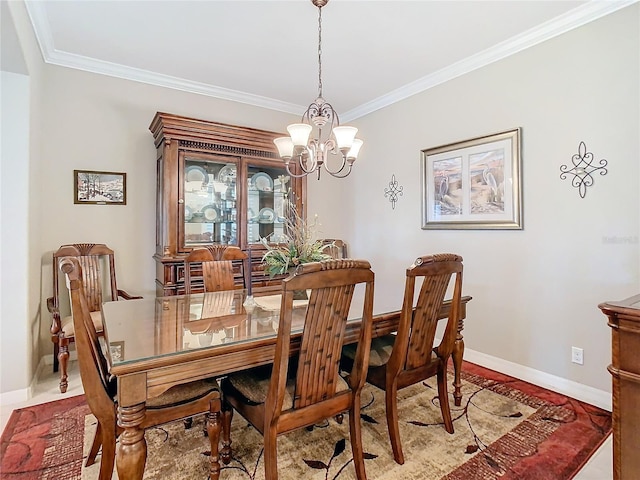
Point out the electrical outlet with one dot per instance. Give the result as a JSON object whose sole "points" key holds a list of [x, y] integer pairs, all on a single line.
{"points": [[577, 355]]}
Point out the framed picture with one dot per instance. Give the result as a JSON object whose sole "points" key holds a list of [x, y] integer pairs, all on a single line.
{"points": [[116, 350], [99, 188], [474, 184]]}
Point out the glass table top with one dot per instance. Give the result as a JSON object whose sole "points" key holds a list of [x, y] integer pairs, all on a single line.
{"points": [[149, 328], [153, 327]]}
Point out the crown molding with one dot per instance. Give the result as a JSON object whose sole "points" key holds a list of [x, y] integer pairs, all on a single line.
{"points": [[51, 55], [101, 67], [577, 17], [573, 19], [40, 24]]}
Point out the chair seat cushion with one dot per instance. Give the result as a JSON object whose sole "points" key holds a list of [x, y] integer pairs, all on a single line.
{"points": [[381, 348], [253, 385], [185, 393], [67, 324]]}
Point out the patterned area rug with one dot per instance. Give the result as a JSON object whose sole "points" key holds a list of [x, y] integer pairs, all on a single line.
{"points": [[505, 428]]}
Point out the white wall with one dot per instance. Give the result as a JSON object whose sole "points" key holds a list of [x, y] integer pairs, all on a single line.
{"points": [[20, 266], [14, 204], [535, 292]]}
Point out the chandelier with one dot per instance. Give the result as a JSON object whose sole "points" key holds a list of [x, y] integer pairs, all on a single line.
{"points": [[330, 138]]}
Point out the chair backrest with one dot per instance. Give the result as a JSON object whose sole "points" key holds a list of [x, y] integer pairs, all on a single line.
{"points": [[418, 322], [217, 267], [334, 247], [91, 257], [332, 284], [91, 360]]}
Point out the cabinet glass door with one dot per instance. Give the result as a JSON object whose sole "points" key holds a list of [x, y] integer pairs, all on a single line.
{"points": [[210, 195], [268, 189]]}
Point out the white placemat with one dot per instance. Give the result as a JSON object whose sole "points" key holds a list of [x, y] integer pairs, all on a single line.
{"points": [[272, 302]]}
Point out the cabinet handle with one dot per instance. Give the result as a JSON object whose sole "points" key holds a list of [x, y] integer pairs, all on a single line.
{"points": [[181, 201]]}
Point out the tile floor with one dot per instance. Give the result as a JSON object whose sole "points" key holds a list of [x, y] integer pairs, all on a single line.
{"points": [[599, 467]]}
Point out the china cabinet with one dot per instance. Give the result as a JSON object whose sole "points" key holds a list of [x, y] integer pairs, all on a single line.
{"points": [[217, 184]]}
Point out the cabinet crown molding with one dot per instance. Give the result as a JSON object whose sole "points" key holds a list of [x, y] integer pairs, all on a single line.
{"points": [[169, 126]]}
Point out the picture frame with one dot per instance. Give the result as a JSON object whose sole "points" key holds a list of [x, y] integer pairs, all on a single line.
{"points": [[116, 351], [474, 184], [99, 188]]}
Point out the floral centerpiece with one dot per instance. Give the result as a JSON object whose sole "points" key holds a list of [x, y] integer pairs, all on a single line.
{"points": [[299, 245]]}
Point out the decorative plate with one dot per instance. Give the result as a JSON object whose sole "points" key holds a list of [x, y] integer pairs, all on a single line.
{"points": [[262, 182], [228, 173], [211, 213], [195, 173], [188, 214], [266, 215]]}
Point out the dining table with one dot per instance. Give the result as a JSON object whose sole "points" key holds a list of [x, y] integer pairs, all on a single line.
{"points": [[155, 343]]}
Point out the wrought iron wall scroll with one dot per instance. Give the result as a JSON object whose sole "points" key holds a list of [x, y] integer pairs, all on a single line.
{"points": [[393, 192], [582, 169]]}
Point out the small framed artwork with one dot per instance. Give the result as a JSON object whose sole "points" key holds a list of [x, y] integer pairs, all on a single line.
{"points": [[116, 349], [474, 184], [99, 188]]}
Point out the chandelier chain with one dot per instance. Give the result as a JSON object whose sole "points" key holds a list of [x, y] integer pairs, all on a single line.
{"points": [[320, 52]]}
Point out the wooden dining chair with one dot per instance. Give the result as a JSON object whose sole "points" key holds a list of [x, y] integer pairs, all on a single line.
{"points": [[279, 399], [218, 273], [397, 361], [94, 258], [217, 267], [100, 388], [334, 247]]}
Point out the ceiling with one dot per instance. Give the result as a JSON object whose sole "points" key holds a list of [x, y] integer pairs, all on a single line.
{"points": [[265, 53]]}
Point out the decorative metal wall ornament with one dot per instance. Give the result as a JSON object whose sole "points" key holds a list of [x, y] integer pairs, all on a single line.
{"points": [[582, 169], [393, 192]]}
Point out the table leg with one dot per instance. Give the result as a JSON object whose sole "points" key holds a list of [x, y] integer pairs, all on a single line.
{"points": [[213, 431], [132, 449], [458, 352], [227, 415]]}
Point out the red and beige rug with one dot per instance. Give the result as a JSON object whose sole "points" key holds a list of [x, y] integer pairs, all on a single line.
{"points": [[505, 428]]}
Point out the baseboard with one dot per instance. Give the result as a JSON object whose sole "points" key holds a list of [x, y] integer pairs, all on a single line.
{"points": [[584, 393], [16, 396], [25, 394]]}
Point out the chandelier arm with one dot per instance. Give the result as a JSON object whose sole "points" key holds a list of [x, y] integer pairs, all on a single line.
{"points": [[337, 174], [310, 151], [293, 174], [326, 167], [330, 147]]}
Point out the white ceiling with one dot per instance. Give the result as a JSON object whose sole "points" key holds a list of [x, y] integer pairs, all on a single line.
{"points": [[265, 52]]}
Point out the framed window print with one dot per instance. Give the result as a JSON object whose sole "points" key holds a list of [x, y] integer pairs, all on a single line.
{"points": [[474, 184], [99, 188]]}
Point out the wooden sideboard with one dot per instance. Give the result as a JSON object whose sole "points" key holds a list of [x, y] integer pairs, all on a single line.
{"points": [[624, 320]]}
